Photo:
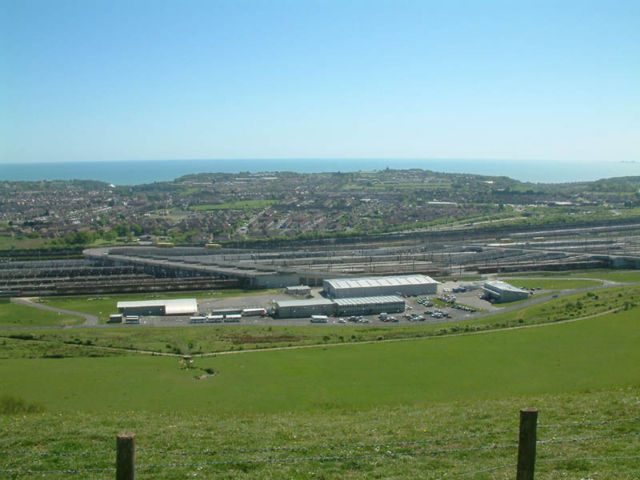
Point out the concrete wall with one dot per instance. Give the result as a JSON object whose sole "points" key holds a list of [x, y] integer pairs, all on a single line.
{"points": [[371, 309], [155, 311], [302, 311]]}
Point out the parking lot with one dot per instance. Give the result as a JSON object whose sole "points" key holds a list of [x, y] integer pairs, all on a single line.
{"points": [[419, 310]]}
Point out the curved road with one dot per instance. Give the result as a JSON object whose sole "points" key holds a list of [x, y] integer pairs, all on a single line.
{"points": [[89, 320]]}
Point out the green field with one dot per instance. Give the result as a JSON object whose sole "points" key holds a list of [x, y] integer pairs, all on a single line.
{"points": [[381, 409], [442, 406], [443, 440], [15, 315], [603, 274], [614, 276], [237, 205], [596, 353], [551, 283]]}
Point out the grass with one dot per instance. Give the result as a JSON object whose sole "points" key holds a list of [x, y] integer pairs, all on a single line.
{"points": [[349, 405], [16, 315], [552, 283], [614, 276], [104, 305], [19, 241], [236, 205], [10, 405], [595, 353], [603, 274], [572, 306], [335, 433]]}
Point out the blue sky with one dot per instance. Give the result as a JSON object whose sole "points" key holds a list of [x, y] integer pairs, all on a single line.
{"points": [[117, 80]]}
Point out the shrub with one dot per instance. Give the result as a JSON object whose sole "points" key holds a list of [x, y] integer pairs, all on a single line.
{"points": [[10, 405]]}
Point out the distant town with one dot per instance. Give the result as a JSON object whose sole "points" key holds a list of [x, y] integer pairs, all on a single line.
{"points": [[222, 207]]}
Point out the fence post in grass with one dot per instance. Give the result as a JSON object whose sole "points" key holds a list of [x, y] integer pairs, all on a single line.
{"points": [[527, 443], [126, 457]]}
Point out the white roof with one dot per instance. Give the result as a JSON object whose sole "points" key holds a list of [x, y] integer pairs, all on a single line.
{"points": [[171, 307], [500, 285], [369, 300], [396, 281], [304, 303]]}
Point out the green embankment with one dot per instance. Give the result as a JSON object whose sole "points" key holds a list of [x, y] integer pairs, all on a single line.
{"points": [[552, 284], [595, 353], [441, 440], [16, 315], [414, 409], [614, 276], [623, 276]]}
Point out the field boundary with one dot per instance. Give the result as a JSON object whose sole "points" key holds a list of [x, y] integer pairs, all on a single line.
{"points": [[520, 442]]}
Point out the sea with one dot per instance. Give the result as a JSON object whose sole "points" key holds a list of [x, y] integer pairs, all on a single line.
{"points": [[137, 172]]}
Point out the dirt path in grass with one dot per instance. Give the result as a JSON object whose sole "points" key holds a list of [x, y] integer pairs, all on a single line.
{"points": [[89, 320]]}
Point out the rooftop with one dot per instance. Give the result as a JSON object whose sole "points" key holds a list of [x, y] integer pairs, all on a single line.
{"points": [[398, 280], [369, 300], [303, 303], [497, 284], [171, 307]]}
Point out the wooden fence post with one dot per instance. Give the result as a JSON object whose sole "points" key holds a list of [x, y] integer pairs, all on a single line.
{"points": [[527, 443], [126, 457]]}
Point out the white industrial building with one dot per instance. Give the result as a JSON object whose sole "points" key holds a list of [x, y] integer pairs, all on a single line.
{"points": [[369, 305], [380, 286], [502, 292], [182, 306]]}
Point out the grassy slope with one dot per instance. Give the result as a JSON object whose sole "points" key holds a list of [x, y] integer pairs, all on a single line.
{"points": [[615, 276], [345, 402], [337, 433], [552, 284], [604, 274], [595, 353], [15, 315]]}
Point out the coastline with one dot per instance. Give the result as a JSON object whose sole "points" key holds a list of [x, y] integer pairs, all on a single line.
{"points": [[137, 172]]}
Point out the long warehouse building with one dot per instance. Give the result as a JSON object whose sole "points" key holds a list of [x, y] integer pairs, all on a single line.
{"points": [[304, 308], [182, 306], [370, 305], [339, 306], [380, 286]]}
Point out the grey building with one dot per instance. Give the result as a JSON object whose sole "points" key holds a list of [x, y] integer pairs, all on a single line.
{"points": [[369, 305], [300, 290], [502, 292], [304, 308], [380, 286]]}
